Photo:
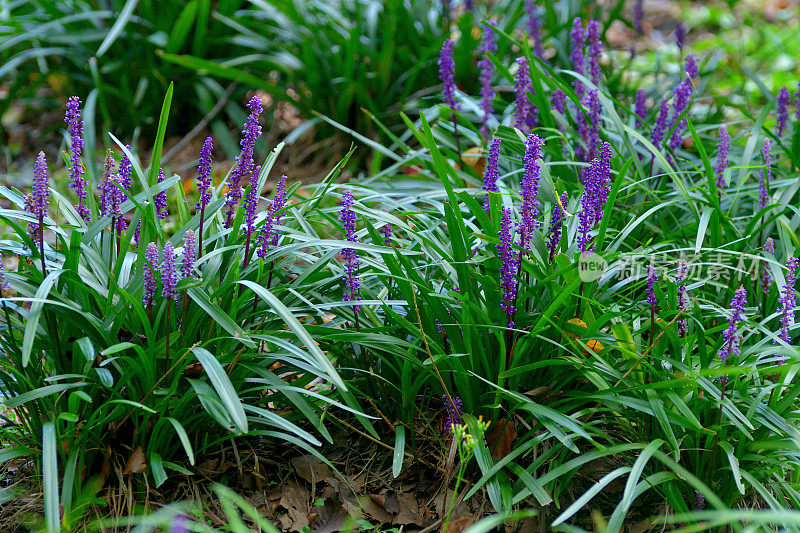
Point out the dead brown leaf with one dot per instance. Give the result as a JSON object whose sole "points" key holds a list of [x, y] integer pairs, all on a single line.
{"points": [[330, 519], [136, 463], [501, 438], [460, 524], [310, 468]]}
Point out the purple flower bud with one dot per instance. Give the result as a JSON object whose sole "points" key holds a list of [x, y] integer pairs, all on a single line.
{"points": [[160, 199], [526, 112], [682, 297], [351, 262], [555, 224], [137, 232], [766, 277], [189, 253], [788, 301], [534, 28], [454, 411], [488, 46], [447, 70], [204, 173], [169, 275], [491, 174], [509, 265], [783, 110], [149, 273], [652, 277], [244, 162], [680, 35], [641, 108], [75, 129], [638, 15], [766, 175], [730, 344], [269, 236], [531, 176], [723, 148]]}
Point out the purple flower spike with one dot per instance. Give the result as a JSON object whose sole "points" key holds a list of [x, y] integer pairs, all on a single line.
{"points": [[160, 199], [526, 112], [682, 97], [488, 45], [531, 176], [189, 253], [40, 195], [700, 500], [107, 194], [125, 170], [766, 277], [597, 185], [386, 229], [76, 171], [788, 301], [244, 161], [351, 262], [680, 35], [179, 524], [454, 410], [652, 277], [251, 201], [149, 274], [660, 127], [691, 69], [730, 345], [447, 70], [723, 148], [534, 28], [559, 101], [269, 236], [783, 110], [137, 232], [595, 50], [555, 224], [169, 275], [491, 174], [682, 297], [641, 108], [4, 285], [797, 102], [638, 16], [766, 175], [204, 173], [509, 265], [577, 36]]}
